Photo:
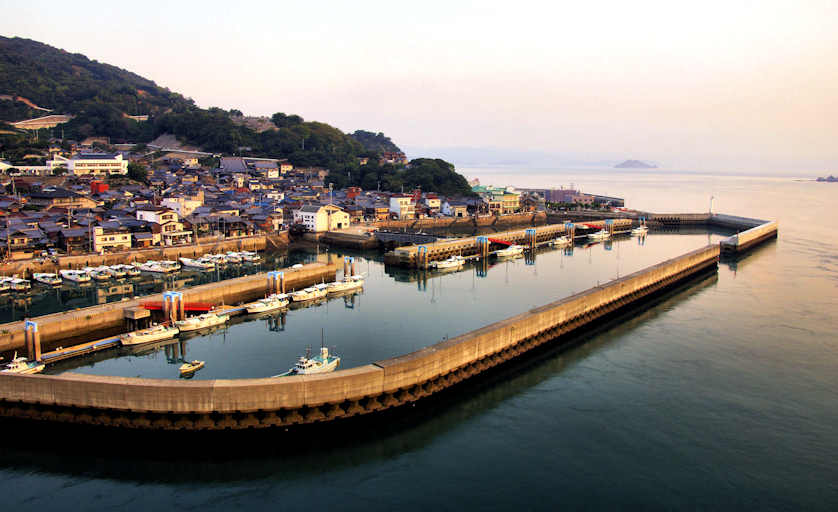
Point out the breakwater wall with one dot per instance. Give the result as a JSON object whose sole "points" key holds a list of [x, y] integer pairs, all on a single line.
{"points": [[109, 318], [267, 402], [250, 243]]}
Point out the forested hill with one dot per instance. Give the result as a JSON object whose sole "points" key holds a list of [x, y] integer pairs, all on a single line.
{"points": [[101, 96], [375, 142]]}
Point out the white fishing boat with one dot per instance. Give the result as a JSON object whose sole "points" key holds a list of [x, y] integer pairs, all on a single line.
{"points": [[452, 262], [347, 283], [561, 241], [189, 368], [296, 267], [599, 235], [199, 264], [152, 267], [639, 231], [76, 276], [250, 256], [233, 257], [317, 291], [47, 278], [321, 363], [513, 251], [19, 285], [203, 321], [22, 366], [150, 335], [116, 271], [270, 303], [169, 266], [129, 270], [97, 274], [218, 259]]}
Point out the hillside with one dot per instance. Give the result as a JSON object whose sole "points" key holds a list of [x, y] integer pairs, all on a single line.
{"points": [[99, 96], [635, 164]]}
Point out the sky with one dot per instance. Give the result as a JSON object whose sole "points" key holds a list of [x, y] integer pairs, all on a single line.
{"points": [[721, 86]]}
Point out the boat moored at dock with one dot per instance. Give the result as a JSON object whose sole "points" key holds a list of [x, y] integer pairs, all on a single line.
{"points": [[513, 251], [98, 274], [47, 279], [194, 323], [317, 291], [346, 284], [270, 303], [599, 235], [22, 366], [188, 369], [639, 231], [454, 262], [150, 335], [200, 264], [17, 284], [562, 241], [76, 276]]}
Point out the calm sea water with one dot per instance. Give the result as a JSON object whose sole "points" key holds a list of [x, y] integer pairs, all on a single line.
{"points": [[722, 395]]}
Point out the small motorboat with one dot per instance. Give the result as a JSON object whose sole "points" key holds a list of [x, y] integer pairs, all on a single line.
{"points": [[169, 266], [20, 285], [23, 366], [347, 283], [599, 235], [116, 271], [76, 276], [317, 291], [561, 241], [270, 303], [98, 274], [250, 256], [639, 231], [513, 251], [234, 257], [187, 369], [454, 262], [47, 278], [203, 321], [199, 264], [150, 335]]}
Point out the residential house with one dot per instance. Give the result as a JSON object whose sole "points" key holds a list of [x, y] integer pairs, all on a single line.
{"points": [[402, 206], [320, 218]]}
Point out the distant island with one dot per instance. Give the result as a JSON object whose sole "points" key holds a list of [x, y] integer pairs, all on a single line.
{"points": [[635, 164], [828, 179]]}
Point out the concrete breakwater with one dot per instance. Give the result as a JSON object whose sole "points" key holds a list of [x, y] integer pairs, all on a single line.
{"points": [[250, 243], [266, 402], [109, 318]]}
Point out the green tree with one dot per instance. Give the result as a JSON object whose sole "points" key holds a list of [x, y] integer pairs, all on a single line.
{"points": [[137, 172]]}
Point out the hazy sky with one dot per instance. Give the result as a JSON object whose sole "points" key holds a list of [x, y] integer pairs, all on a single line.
{"points": [[699, 85]]}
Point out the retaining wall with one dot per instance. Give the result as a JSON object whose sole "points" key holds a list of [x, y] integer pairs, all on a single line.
{"points": [[84, 322], [264, 402]]}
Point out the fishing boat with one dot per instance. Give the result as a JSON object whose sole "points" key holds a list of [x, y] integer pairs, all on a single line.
{"points": [[599, 235], [189, 368], [639, 231], [561, 241], [218, 259], [250, 257], [130, 270], [324, 362], [317, 291], [19, 285], [150, 335], [270, 303], [47, 279], [22, 366], [152, 267], [347, 283], [116, 271], [97, 274], [513, 251], [233, 257], [169, 266], [76, 276], [203, 321], [453, 262], [296, 267], [199, 264]]}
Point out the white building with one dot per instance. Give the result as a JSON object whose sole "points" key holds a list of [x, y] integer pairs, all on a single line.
{"points": [[402, 205], [319, 218], [110, 240], [183, 206], [93, 163]]}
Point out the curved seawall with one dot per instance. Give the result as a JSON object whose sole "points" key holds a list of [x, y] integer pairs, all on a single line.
{"points": [[265, 402]]}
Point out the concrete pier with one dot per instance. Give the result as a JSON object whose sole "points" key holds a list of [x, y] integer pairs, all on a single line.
{"points": [[85, 323], [270, 402]]}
